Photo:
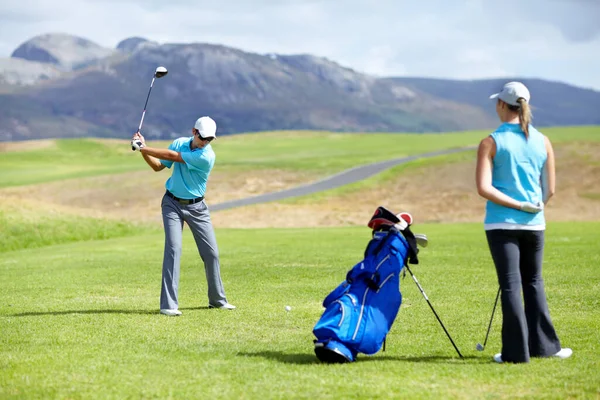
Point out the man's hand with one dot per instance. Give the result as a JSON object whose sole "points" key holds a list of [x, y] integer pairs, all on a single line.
{"points": [[138, 142], [532, 208]]}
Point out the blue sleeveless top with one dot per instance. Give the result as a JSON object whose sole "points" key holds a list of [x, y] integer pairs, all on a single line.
{"points": [[517, 172]]}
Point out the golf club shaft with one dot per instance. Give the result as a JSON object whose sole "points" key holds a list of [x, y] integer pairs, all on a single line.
{"points": [[492, 318], [434, 313], [145, 105]]}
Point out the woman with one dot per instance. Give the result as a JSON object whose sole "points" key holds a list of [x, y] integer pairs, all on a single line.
{"points": [[515, 173]]}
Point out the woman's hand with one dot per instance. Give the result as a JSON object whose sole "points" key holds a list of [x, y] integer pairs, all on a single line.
{"points": [[532, 208]]}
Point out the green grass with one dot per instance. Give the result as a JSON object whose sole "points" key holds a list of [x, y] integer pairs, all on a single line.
{"points": [[32, 230], [591, 196], [71, 158], [322, 152], [79, 320], [333, 152], [79, 298]]}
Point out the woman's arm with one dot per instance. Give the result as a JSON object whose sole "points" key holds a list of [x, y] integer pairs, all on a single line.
{"points": [[548, 173], [483, 175]]}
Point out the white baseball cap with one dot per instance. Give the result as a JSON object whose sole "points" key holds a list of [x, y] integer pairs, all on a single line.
{"points": [[511, 92], [206, 126]]}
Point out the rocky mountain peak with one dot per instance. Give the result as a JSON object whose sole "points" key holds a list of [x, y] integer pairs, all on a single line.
{"points": [[66, 52], [133, 44]]}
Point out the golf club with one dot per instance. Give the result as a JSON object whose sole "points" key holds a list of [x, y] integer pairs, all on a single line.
{"points": [[434, 313], [159, 73], [421, 239], [479, 347]]}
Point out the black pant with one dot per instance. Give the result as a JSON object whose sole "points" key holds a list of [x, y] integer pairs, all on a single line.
{"points": [[526, 332]]}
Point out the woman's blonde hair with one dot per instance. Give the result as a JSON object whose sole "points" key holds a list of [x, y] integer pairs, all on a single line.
{"points": [[524, 114]]}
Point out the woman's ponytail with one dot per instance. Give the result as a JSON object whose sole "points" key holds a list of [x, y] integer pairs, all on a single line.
{"points": [[524, 115]]}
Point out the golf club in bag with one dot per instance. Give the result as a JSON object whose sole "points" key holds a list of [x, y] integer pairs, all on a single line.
{"points": [[479, 347], [159, 73]]}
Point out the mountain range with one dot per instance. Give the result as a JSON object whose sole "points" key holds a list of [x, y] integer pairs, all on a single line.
{"points": [[60, 85]]}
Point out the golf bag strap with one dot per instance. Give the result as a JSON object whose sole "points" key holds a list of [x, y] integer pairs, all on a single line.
{"points": [[381, 243], [372, 282], [412, 245]]}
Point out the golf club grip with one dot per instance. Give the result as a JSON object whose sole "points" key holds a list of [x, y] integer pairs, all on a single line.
{"points": [[141, 122], [140, 128]]}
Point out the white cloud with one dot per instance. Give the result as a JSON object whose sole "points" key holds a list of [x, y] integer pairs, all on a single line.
{"points": [[550, 39]]}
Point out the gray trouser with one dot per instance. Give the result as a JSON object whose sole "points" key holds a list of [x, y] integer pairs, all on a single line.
{"points": [[526, 332], [197, 217]]}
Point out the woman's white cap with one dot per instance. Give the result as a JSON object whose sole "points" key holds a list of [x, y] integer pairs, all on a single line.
{"points": [[206, 126], [511, 92]]}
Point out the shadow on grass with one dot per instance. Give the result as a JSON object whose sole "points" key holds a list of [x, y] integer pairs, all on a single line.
{"points": [[67, 312], [284, 357], [432, 359], [312, 359], [110, 311]]}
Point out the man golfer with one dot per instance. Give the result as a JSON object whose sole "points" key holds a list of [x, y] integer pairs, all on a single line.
{"points": [[192, 159]]}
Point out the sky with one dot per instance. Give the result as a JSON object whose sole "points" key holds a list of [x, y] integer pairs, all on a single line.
{"points": [[558, 40]]}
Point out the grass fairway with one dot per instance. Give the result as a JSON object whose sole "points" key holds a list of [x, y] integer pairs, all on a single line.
{"points": [[80, 320]]}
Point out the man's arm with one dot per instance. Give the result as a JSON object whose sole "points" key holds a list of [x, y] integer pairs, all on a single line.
{"points": [[162, 154], [153, 162], [153, 156]]}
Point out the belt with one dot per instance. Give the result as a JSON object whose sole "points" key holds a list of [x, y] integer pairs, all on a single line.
{"points": [[184, 201]]}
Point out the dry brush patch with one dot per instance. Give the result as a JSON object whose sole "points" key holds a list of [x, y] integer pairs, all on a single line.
{"points": [[137, 195], [27, 145]]}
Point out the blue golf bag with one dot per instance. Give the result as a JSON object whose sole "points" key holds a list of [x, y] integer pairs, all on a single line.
{"points": [[360, 312]]}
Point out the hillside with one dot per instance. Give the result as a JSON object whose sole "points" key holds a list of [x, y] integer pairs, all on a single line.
{"points": [[104, 178], [71, 87], [554, 103]]}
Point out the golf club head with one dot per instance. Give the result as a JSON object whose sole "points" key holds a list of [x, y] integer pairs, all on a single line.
{"points": [[160, 72], [479, 347], [421, 239]]}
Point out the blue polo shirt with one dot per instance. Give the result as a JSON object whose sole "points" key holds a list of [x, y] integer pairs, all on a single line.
{"points": [[517, 172], [188, 180]]}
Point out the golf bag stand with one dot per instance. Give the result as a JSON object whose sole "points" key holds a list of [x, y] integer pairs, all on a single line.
{"points": [[432, 309]]}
